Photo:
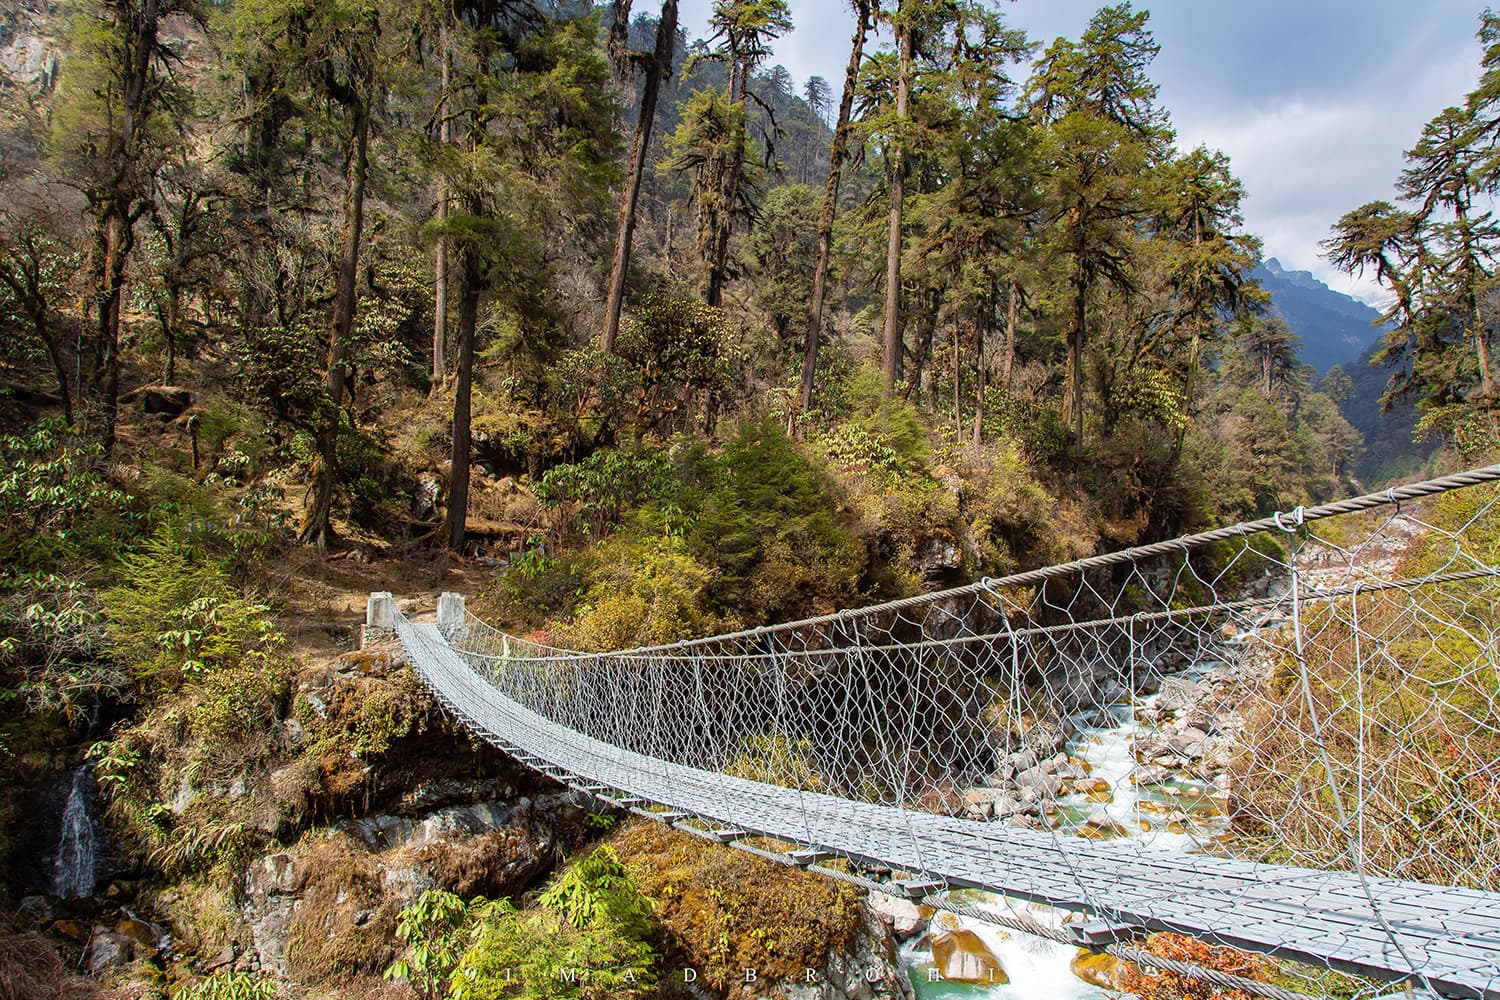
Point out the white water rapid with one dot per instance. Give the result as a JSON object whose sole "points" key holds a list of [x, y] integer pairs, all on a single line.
{"points": [[1040, 969]]}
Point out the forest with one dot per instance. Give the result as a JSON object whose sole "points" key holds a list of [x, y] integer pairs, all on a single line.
{"points": [[629, 335]]}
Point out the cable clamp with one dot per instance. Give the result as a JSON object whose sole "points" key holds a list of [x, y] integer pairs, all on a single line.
{"points": [[1297, 517]]}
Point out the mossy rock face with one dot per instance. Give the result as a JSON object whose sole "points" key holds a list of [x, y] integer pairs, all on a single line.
{"points": [[725, 911], [961, 956], [496, 864], [342, 926]]}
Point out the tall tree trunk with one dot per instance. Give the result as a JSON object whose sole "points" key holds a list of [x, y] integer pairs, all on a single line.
{"points": [[619, 38], [1195, 352], [117, 221], [1075, 360], [958, 423], [836, 156], [119, 238], [897, 167], [318, 528], [657, 70], [166, 318], [1487, 387], [986, 318], [1473, 271], [718, 265], [923, 352], [54, 355], [458, 478], [59, 367], [440, 256], [1008, 364]]}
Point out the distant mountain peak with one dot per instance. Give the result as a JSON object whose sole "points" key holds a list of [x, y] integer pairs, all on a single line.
{"points": [[1335, 328], [1302, 279]]}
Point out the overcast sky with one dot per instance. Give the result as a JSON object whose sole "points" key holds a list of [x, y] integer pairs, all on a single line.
{"points": [[1313, 100]]}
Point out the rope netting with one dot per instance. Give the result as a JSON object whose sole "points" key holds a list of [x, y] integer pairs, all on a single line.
{"points": [[1244, 712]]}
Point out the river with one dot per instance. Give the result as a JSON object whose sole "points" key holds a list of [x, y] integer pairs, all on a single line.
{"points": [[1040, 969]]}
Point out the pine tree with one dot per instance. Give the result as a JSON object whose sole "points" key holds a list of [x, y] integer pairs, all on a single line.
{"points": [[656, 67], [863, 15]]}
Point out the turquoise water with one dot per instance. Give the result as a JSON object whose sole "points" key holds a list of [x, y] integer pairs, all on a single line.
{"points": [[1039, 969]]}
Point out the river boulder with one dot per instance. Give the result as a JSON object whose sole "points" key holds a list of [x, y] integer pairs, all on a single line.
{"points": [[1103, 971], [962, 956]]}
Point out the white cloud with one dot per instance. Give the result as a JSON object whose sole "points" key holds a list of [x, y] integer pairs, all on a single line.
{"points": [[1314, 110], [1305, 162]]}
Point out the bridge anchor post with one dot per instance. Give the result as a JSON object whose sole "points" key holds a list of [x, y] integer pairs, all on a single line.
{"points": [[451, 614], [380, 619]]}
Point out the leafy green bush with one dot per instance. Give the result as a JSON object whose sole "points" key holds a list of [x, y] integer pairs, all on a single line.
{"points": [[778, 760], [50, 633], [175, 615], [535, 588], [432, 928], [597, 889], [687, 364], [586, 941], [592, 497], [188, 783], [766, 517], [1014, 517], [229, 986], [878, 435], [642, 591], [53, 503], [538, 955]]}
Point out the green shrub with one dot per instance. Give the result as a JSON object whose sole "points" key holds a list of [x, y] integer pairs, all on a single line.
{"points": [[766, 518], [432, 929], [535, 588], [879, 434], [53, 504], [229, 986], [687, 364], [778, 760], [50, 633], [175, 615], [587, 941], [597, 889], [1012, 515], [592, 497], [642, 591], [188, 783]]}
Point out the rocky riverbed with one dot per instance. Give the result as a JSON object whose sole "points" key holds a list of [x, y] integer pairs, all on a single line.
{"points": [[1155, 767]]}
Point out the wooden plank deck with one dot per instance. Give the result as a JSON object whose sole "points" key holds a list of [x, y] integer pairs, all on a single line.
{"points": [[1450, 936]]}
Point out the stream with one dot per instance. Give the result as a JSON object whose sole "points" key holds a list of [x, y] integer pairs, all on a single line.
{"points": [[75, 868], [1176, 816]]}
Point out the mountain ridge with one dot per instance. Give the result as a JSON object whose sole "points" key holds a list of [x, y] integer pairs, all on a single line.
{"points": [[1336, 329]]}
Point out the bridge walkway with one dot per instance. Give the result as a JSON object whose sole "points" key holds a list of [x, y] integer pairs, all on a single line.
{"points": [[1449, 938]]}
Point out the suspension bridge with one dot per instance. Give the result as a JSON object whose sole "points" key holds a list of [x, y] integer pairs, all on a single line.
{"points": [[1308, 708]]}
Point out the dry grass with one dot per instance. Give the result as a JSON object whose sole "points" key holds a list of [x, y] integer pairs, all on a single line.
{"points": [[343, 927], [31, 969]]}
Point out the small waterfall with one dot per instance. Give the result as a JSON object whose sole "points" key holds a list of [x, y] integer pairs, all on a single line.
{"points": [[75, 870]]}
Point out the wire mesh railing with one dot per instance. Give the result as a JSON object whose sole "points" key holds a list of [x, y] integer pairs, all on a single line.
{"points": [[1315, 691]]}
